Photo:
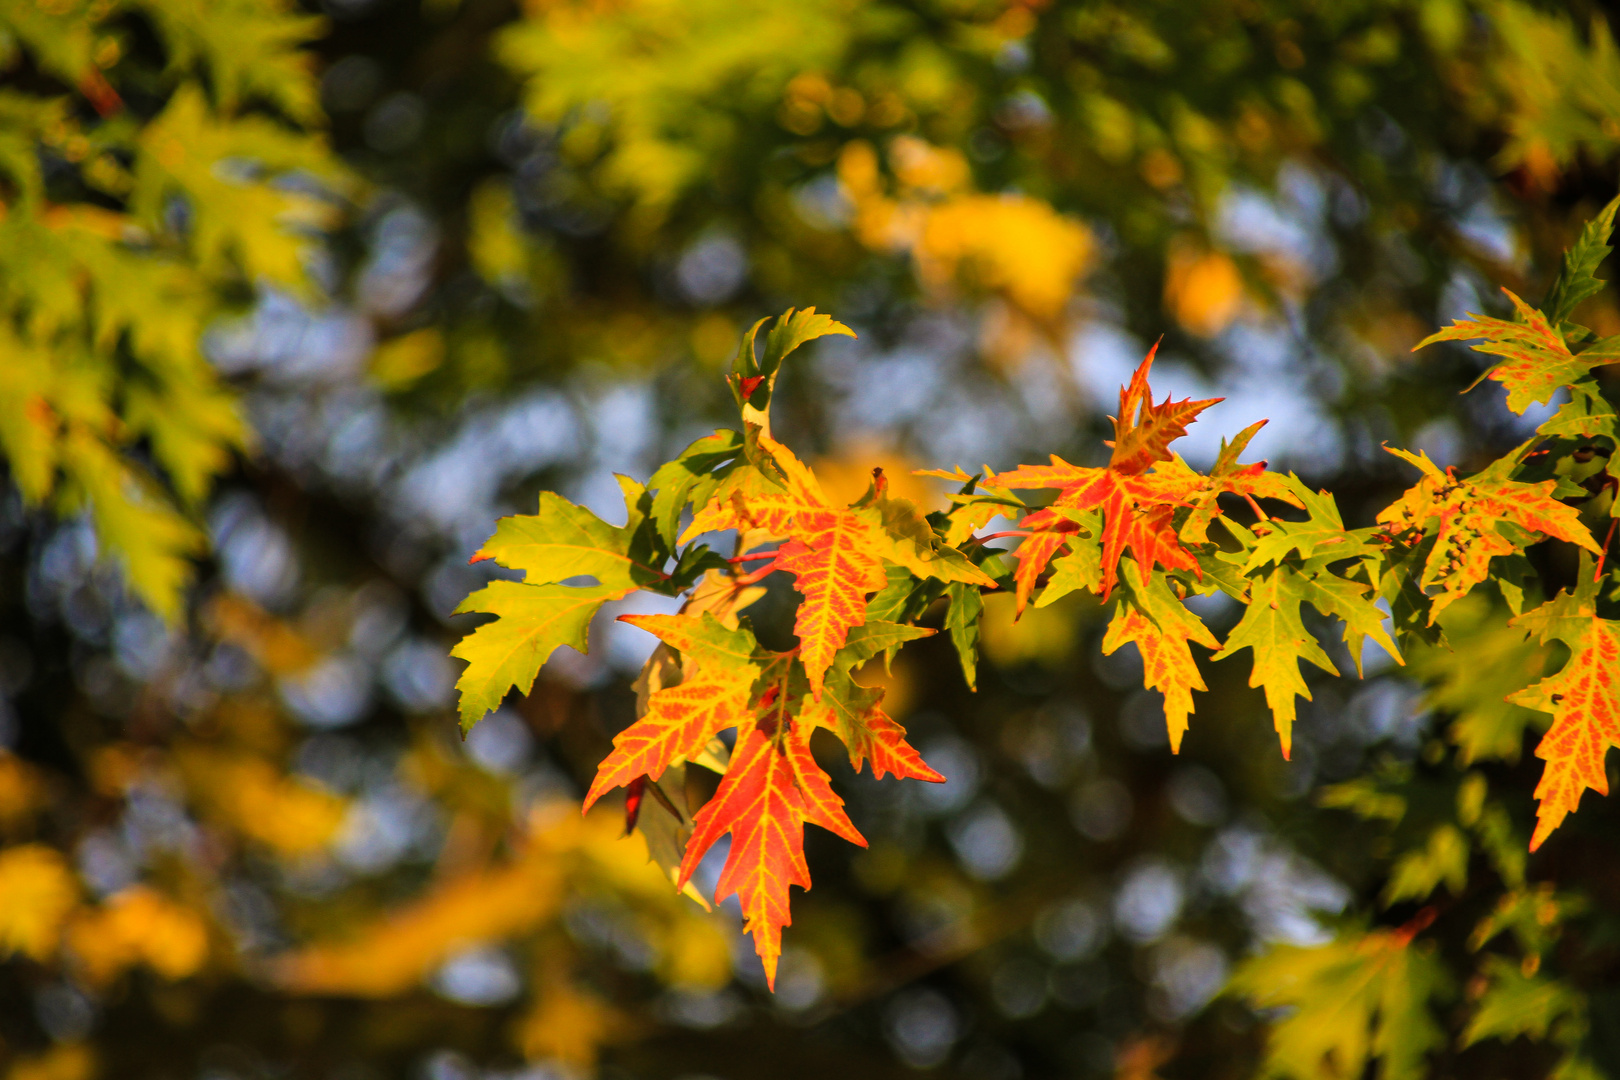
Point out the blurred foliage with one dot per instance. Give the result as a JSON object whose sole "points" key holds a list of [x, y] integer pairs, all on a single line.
{"points": [[297, 302]]}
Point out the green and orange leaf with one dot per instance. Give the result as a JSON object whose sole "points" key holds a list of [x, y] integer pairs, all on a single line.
{"points": [[1469, 514], [713, 694], [1161, 627], [1583, 698], [1535, 362]]}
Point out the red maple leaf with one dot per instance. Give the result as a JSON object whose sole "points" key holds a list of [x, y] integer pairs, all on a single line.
{"points": [[1137, 505], [772, 787]]}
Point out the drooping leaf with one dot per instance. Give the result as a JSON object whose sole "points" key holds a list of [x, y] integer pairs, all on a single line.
{"points": [[1161, 626], [1583, 697], [962, 623], [771, 789], [1271, 627]]}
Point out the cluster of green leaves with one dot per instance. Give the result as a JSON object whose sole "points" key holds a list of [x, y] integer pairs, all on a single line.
{"points": [[129, 226]]}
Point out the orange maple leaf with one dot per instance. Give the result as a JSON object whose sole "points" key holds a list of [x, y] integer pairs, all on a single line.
{"points": [[681, 719], [1137, 506], [855, 714], [772, 787], [832, 552], [1583, 697]]}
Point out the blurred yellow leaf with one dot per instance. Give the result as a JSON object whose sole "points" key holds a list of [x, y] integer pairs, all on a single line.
{"points": [[139, 926], [1202, 289], [70, 1061], [37, 891]]}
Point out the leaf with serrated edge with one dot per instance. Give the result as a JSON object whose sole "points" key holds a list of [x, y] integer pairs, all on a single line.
{"points": [[1360, 996], [1272, 629], [1536, 361], [962, 623], [1161, 626], [1583, 697], [1577, 277], [690, 479], [535, 620], [718, 673], [1468, 512], [771, 789], [562, 541], [854, 713]]}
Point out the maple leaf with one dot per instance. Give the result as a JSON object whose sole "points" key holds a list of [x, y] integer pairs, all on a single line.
{"points": [[1229, 476], [561, 541], [1137, 506], [1161, 626], [772, 787], [1536, 360], [539, 615], [834, 570], [1357, 997], [1272, 628], [718, 673], [837, 555], [1471, 514], [1583, 697], [855, 714]]}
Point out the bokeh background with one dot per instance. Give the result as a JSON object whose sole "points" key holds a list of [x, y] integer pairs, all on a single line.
{"points": [[372, 273]]}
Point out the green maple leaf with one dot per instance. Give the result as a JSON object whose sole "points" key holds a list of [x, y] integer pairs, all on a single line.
{"points": [[1323, 529], [1516, 1004], [1486, 662], [1349, 601], [561, 541], [1577, 277], [1271, 627], [534, 621], [962, 624], [1359, 997], [690, 478]]}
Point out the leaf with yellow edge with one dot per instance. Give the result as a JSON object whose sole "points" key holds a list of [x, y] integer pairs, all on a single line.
{"points": [[771, 789], [1583, 697], [1161, 626], [1469, 515], [718, 673]]}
